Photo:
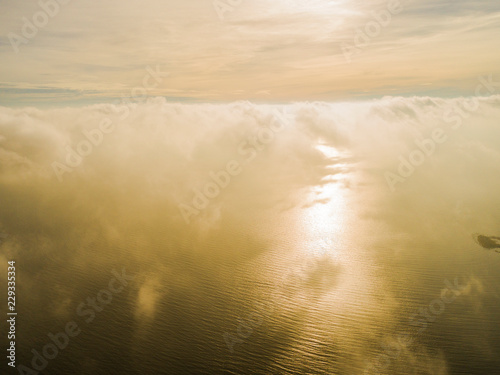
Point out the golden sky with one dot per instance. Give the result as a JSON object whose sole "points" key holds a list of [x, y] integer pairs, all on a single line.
{"points": [[271, 51]]}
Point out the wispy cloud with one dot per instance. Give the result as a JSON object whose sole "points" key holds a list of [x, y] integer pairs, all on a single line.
{"points": [[289, 50]]}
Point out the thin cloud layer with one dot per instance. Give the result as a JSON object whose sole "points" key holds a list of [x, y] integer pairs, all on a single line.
{"points": [[261, 50]]}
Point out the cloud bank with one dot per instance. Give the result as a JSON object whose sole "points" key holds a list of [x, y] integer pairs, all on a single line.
{"points": [[241, 168]]}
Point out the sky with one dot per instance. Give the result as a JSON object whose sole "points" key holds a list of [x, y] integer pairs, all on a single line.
{"points": [[261, 50]]}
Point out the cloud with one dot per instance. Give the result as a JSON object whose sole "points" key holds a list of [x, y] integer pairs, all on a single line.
{"points": [[289, 49], [121, 202], [176, 146]]}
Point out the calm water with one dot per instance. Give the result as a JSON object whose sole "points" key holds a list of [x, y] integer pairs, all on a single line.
{"points": [[312, 289], [326, 281]]}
